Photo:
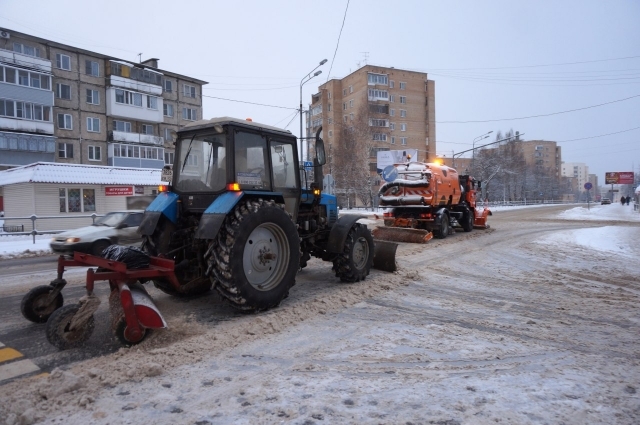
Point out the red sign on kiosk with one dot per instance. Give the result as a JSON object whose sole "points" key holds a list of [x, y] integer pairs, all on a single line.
{"points": [[118, 190]]}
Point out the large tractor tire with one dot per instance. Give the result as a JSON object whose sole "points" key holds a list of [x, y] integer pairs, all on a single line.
{"points": [[159, 245], [355, 262], [256, 255], [37, 307], [58, 332]]}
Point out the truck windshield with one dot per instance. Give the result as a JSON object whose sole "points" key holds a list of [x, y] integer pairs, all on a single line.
{"points": [[201, 164]]}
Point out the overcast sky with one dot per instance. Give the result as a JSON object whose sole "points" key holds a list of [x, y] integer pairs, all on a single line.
{"points": [[492, 61]]}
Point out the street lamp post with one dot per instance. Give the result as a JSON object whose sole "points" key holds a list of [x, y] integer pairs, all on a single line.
{"points": [[304, 80], [473, 151]]}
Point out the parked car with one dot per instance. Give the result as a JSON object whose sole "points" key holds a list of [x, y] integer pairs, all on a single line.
{"points": [[119, 227], [605, 201]]}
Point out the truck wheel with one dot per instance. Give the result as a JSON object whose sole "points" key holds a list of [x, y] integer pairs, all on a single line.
{"points": [[158, 244], [255, 256], [354, 264], [34, 306], [467, 221], [443, 229], [58, 332]]}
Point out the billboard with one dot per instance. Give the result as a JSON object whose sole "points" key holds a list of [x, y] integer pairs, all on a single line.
{"points": [[618, 177], [386, 158], [118, 190]]}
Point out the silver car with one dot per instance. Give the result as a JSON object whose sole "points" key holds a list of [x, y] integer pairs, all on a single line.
{"points": [[118, 227]]}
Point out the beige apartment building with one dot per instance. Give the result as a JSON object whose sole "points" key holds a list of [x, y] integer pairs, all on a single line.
{"points": [[543, 155], [399, 107], [60, 103]]}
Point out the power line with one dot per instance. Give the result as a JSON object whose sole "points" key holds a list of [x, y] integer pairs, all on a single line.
{"points": [[250, 103], [344, 18], [538, 66], [541, 115], [601, 135]]}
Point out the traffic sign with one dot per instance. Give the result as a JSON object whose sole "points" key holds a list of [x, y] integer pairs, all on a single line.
{"points": [[588, 185], [390, 173], [308, 165]]}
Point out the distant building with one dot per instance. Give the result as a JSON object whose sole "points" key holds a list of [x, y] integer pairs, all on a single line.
{"points": [[577, 170], [60, 103], [543, 155]]}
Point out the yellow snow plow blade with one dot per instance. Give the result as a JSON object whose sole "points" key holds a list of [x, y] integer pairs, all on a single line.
{"points": [[384, 256], [402, 234]]}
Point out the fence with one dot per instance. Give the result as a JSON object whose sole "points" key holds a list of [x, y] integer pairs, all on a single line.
{"points": [[487, 204], [12, 230]]}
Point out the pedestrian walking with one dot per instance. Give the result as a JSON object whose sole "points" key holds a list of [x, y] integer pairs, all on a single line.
{"points": [[628, 199], [623, 200]]}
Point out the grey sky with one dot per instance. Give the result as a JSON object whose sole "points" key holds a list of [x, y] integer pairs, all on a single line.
{"points": [[490, 59]]}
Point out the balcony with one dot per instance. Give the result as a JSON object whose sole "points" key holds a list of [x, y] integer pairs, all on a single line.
{"points": [[26, 126], [145, 139], [133, 112], [25, 61]]}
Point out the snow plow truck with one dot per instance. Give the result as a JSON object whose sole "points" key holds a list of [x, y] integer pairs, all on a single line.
{"points": [[426, 200]]}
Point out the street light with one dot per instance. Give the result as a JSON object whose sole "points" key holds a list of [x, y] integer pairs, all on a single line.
{"points": [[304, 80], [473, 145]]}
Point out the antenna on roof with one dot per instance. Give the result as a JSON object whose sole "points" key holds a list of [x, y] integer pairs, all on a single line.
{"points": [[139, 57], [366, 57]]}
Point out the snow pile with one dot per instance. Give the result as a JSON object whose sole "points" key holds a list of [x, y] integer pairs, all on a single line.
{"points": [[23, 246], [607, 240], [612, 212]]}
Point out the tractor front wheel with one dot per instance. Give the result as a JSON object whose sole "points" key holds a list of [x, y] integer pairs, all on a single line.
{"points": [[354, 264], [36, 305], [256, 255], [60, 335]]}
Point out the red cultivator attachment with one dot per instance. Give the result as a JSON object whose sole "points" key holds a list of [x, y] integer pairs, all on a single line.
{"points": [[480, 220], [132, 309], [402, 234]]}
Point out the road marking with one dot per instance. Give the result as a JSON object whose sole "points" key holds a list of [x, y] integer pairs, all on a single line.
{"points": [[15, 369], [1, 344], [7, 354]]}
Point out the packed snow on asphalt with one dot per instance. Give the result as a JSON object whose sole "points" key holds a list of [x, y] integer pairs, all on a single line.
{"points": [[533, 321]]}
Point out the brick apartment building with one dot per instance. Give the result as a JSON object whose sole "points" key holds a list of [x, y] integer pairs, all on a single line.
{"points": [[60, 103], [400, 107]]}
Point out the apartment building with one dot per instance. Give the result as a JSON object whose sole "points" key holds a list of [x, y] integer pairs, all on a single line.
{"points": [[399, 107], [543, 155], [60, 103], [578, 171]]}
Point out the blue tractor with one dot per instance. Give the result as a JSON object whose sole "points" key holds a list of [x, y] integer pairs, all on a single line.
{"points": [[241, 215]]}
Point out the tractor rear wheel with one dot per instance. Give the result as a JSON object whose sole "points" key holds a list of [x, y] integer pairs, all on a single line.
{"points": [[354, 264], [255, 256]]}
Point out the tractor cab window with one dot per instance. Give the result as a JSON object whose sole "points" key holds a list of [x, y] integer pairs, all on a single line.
{"points": [[283, 165], [201, 163], [250, 164]]}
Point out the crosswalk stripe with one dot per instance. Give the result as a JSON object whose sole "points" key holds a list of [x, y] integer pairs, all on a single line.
{"points": [[1, 344], [7, 354], [15, 369]]}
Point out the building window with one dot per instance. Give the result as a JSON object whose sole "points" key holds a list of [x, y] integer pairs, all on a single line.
{"points": [[147, 129], [346, 118], [329, 95], [403, 85], [350, 89], [130, 151], [393, 140], [63, 62], [403, 140], [77, 200], [152, 102], [392, 98], [27, 50], [128, 97], [403, 113], [63, 91], [344, 106], [167, 134], [189, 114], [392, 112], [25, 78], [189, 91], [93, 125], [351, 117], [378, 79], [403, 99], [25, 110], [91, 68], [168, 86], [65, 122], [403, 127], [330, 133], [124, 126], [65, 150], [168, 158], [329, 107], [167, 110], [375, 94], [380, 137], [391, 84], [378, 123], [94, 153], [351, 103], [392, 126], [330, 120], [344, 92], [93, 97]]}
